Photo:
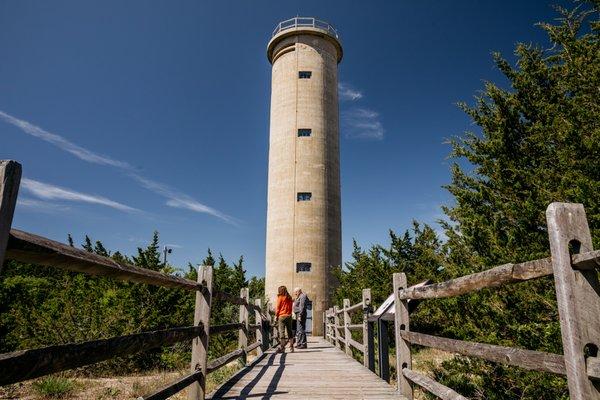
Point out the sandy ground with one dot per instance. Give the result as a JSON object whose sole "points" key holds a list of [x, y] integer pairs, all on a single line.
{"points": [[114, 388]]}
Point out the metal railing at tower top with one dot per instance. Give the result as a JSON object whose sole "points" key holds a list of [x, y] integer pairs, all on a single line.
{"points": [[301, 22]]}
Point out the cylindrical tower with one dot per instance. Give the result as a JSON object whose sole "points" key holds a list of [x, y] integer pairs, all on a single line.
{"points": [[303, 211]]}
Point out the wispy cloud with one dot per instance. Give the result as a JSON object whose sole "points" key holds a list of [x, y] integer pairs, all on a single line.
{"points": [[174, 197], [362, 123], [42, 206], [177, 199], [50, 192], [348, 92], [63, 143]]}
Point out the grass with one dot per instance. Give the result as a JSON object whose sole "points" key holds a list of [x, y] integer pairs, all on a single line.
{"points": [[54, 387]]}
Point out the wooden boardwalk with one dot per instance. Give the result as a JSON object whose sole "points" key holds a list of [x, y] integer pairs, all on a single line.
{"points": [[319, 372]]}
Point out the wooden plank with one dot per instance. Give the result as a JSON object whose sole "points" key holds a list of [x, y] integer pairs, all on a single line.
{"points": [[243, 318], [367, 334], [586, 260], [238, 301], [356, 307], [259, 332], [528, 359], [347, 334], [577, 294], [441, 391], [224, 360], [593, 367], [355, 327], [215, 329], [401, 324], [253, 346], [174, 387], [323, 372], [10, 178], [29, 248], [356, 345], [202, 307], [497, 276], [336, 326], [21, 365]]}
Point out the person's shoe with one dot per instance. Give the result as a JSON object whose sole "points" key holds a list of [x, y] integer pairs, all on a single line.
{"points": [[302, 346]]}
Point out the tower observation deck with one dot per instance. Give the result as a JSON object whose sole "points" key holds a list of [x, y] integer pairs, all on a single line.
{"points": [[303, 210]]}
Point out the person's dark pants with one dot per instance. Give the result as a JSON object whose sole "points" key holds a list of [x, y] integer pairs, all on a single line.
{"points": [[301, 331]]}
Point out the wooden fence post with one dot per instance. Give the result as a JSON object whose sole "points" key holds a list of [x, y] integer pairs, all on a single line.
{"points": [[260, 328], [368, 342], [384, 350], [197, 389], [577, 295], [347, 334], [243, 332], [10, 178], [336, 323], [273, 326], [329, 331], [325, 325], [401, 323]]}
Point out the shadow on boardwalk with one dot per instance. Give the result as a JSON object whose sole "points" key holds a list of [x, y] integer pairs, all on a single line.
{"points": [[223, 391], [320, 372]]}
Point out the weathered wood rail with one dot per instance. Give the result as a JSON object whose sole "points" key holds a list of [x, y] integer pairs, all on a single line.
{"points": [[21, 365], [573, 263]]}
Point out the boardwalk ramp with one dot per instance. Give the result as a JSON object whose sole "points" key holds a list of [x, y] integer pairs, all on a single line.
{"points": [[320, 372]]}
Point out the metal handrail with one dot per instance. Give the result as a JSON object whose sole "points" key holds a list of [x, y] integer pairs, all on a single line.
{"points": [[305, 22]]}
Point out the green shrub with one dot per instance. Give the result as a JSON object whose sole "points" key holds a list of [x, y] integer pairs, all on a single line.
{"points": [[54, 387]]}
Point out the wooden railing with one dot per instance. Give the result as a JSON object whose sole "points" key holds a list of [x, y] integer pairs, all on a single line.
{"points": [[339, 327], [573, 263], [25, 247]]}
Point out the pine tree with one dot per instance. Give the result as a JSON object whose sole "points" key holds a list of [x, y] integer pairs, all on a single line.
{"points": [[87, 245]]}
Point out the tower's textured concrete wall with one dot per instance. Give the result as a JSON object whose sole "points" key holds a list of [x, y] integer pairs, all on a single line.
{"points": [[304, 231]]}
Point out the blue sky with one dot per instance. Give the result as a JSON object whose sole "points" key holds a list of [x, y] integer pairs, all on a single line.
{"points": [[130, 117]]}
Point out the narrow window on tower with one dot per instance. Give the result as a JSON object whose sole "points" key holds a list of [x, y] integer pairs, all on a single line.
{"points": [[304, 196], [303, 267], [304, 132], [304, 74]]}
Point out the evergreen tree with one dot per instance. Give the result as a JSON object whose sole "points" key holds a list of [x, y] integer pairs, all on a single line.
{"points": [[87, 245], [538, 142], [100, 249]]}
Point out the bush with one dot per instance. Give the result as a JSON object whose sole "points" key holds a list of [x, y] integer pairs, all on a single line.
{"points": [[54, 387]]}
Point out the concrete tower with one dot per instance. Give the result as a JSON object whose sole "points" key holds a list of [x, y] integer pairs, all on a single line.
{"points": [[303, 212]]}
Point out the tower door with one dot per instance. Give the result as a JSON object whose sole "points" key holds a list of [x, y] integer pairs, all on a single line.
{"points": [[309, 318]]}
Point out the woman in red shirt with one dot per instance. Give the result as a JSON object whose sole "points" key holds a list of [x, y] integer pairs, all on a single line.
{"points": [[283, 313]]}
